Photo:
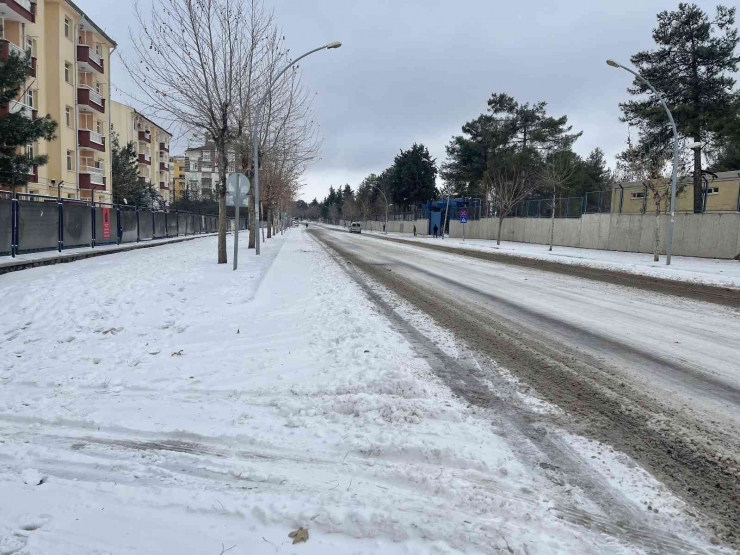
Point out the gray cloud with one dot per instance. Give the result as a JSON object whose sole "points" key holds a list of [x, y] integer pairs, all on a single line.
{"points": [[416, 70]]}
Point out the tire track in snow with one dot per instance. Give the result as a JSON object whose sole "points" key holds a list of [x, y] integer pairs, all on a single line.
{"points": [[623, 518]]}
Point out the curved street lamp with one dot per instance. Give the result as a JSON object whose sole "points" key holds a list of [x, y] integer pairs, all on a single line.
{"points": [[669, 247], [386, 205], [255, 138]]}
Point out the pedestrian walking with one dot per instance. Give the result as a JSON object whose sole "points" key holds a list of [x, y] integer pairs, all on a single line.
{"points": [[383, 228], [436, 229], [414, 231]]}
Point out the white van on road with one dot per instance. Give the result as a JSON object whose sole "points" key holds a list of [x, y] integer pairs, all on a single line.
{"points": [[355, 227]]}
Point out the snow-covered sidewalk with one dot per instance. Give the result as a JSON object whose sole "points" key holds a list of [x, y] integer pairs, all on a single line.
{"points": [[710, 271], [38, 258], [154, 402]]}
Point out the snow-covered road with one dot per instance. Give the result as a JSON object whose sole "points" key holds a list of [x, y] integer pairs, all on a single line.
{"points": [[654, 374], [154, 402]]}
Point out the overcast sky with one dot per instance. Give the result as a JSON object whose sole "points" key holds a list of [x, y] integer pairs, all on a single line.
{"points": [[417, 70]]}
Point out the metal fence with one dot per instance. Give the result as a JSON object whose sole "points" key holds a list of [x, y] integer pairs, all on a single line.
{"points": [[34, 223]]}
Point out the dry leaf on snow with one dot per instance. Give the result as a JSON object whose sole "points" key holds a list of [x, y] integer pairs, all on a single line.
{"points": [[300, 535]]}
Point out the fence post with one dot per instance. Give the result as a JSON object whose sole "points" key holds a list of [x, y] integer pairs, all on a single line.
{"points": [[177, 223], [92, 219], [60, 227], [154, 224], [119, 225], [138, 238], [14, 217]]}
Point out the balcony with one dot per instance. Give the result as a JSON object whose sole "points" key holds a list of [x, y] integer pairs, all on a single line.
{"points": [[92, 178], [7, 47], [33, 177], [164, 167], [145, 136], [145, 159], [89, 59], [90, 100], [15, 107], [92, 140], [164, 186], [165, 147], [23, 11]]}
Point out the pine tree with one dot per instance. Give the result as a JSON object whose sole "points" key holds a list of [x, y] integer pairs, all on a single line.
{"points": [[413, 176], [692, 68], [127, 187], [16, 129]]}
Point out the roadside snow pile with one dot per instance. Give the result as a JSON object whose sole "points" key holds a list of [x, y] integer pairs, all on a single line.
{"points": [[710, 271], [231, 408]]}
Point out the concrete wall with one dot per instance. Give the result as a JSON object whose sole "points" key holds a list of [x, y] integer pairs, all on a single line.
{"points": [[422, 226], [703, 235]]}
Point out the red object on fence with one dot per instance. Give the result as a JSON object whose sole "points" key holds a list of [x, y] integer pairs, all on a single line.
{"points": [[106, 223]]}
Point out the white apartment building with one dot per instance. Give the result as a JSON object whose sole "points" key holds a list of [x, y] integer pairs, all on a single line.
{"points": [[201, 170]]}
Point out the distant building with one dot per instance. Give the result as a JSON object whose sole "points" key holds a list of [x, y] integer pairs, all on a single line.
{"points": [[721, 194], [152, 144], [179, 181], [202, 170]]}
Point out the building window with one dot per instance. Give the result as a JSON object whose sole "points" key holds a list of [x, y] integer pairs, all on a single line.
{"points": [[99, 50], [67, 27], [97, 87], [67, 72], [30, 98], [70, 195], [70, 154], [638, 196], [30, 151], [99, 127], [712, 190], [68, 116], [207, 156]]}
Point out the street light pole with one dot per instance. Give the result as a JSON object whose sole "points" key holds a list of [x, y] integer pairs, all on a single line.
{"points": [[386, 206], [255, 137], [669, 246]]}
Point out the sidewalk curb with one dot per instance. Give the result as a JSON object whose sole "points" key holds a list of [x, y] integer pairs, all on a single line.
{"points": [[15, 266]]}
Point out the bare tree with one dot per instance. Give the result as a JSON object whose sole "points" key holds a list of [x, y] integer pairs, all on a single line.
{"points": [[651, 167], [186, 65], [287, 134], [506, 190], [555, 174]]}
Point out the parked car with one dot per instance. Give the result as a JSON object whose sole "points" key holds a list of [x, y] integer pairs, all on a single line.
{"points": [[355, 227]]}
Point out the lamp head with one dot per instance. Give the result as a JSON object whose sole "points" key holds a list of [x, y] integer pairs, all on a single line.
{"points": [[335, 44], [613, 63]]}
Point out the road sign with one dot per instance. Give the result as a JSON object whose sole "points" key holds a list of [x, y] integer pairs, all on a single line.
{"points": [[463, 213], [237, 187], [463, 219]]}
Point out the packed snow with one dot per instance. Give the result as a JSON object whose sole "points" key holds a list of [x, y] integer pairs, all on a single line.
{"points": [[154, 402], [710, 271]]}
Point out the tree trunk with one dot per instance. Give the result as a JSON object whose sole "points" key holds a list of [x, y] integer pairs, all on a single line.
{"points": [[252, 222], [222, 225], [698, 192], [552, 222], [269, 221], [500, 225], [222, 202], [656, 238]]}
